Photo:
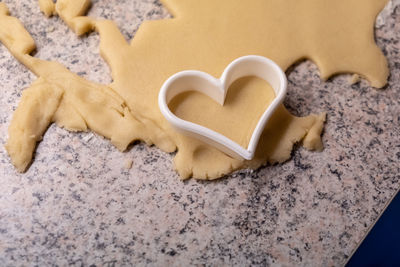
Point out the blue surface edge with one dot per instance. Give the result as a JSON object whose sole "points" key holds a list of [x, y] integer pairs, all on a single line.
{"points": [[381, 247]]}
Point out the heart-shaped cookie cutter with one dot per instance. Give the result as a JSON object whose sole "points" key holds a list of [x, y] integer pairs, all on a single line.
{"points": [[192, 80]]}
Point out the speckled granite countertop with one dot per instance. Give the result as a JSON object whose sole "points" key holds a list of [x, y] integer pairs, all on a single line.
{"points": [[78, 204]]}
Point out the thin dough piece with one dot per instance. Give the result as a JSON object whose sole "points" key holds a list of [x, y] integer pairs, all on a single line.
{"points": [[355, 78], [13, 34], [71, 12], [30, 121], [47, 7]]}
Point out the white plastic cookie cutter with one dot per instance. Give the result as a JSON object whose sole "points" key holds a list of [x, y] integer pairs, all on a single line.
{"points": [[192, 80]]}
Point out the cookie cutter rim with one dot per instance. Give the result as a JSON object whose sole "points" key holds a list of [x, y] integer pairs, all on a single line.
{"points": [[193, 80]]}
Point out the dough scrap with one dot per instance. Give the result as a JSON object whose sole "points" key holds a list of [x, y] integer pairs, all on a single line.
{"points": [[31, 119], [204, 35], [355, 78], [47, 7]]}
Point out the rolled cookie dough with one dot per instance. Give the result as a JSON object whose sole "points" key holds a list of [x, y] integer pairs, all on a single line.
{"points": [[245, 102], [205, 35]]}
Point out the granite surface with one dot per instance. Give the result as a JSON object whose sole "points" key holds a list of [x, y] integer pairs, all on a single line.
{"points": [[79, 204]]}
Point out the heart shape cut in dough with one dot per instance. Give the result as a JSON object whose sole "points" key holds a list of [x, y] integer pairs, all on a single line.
{"points": [[217, 89]]}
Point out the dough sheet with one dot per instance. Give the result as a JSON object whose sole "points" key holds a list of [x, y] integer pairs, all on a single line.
{"points": [[203, 35]]}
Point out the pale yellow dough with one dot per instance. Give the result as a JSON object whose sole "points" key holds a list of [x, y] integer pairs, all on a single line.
{"points": [[245, 102], [205, 35], [47, 7]]}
